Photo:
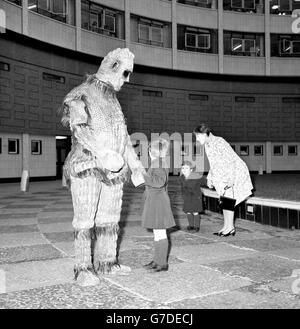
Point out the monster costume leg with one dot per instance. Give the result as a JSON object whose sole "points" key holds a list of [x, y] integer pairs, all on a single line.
{"points": [[85, 197], [107, 228]]}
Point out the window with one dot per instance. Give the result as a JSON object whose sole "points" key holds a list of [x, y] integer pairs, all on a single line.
{"points": [[245, 4], [200, 3], [36, 147], [13, 146], [292, 150], [245, 46], [243, 99], [4, 66], [98, 19], [17, 2], [152, 93], [197, 97], [233, 147], [283, 7], [251, 6], [289, 46], [290, 99], [201, 41], [151, 33], [278, 150], [244, 150], [258, 150], [55, 9], [53, 77]]}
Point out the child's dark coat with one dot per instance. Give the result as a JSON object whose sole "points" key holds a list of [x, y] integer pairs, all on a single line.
{"points": [[157, 213], [191, 192]]}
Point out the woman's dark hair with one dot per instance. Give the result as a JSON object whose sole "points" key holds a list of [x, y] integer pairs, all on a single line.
{"points": [[202, 129]]}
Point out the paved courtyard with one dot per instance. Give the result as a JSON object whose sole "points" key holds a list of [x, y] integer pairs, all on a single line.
{"points": [[251, 270]]}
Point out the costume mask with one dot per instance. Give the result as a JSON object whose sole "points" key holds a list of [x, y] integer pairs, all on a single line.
{"points": [[116, 68]]}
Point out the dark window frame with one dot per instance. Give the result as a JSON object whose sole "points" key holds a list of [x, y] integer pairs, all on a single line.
{"points": [[17, 141], [152, 93], [39, 147], [54, 77], [246, 152], [244, 99], [4, 66], [281, 150], [198, 97], [293, 153], [262, 150]]}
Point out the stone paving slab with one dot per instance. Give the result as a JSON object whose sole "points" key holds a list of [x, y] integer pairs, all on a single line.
{"points": [[66, 248], [56, 227], [57, 214], [209, 253], [21, 211], [54, 219], [55, 210], [18, 221], [18, 228], [290, 253], [262, 298], [286, 285], [28, 253], [167, 287], [70, 296], [59, 237], [266, 244], [21, 239], [18, 215], [28, 275], [259, 269]]}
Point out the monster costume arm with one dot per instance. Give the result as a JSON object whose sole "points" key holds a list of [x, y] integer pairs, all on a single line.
{"points": [[106, 158]]}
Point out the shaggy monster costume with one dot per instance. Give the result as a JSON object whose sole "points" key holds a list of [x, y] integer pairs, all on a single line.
{"points": [[97, 165]]}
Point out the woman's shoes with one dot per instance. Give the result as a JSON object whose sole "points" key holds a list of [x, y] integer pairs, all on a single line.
{"points": [[232, 232]]}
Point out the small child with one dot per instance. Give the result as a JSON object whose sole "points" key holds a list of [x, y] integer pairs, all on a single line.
{"points": [[157, 213], [191, 183]]}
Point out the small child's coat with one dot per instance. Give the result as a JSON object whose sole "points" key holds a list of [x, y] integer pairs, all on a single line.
{"points": [[191, 192]]}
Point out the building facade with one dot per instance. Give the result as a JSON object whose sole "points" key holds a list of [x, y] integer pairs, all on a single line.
{"points": [[234, 64]]}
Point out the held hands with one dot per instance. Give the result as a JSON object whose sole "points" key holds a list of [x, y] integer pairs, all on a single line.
{"points": [[137, 177]]}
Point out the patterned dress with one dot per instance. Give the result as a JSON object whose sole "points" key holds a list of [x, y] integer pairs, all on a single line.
{"points": [[227, 168]]}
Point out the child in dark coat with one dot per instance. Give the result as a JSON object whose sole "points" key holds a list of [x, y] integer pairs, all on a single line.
{"points": [[191, 184], [157, 213]]}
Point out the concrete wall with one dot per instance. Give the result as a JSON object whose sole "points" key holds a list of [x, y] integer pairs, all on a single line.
{"points": [[29, 103], [41, 165]]}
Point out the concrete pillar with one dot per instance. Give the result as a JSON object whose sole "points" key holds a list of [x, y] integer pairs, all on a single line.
{"points": [[267, 39], [78, 24], [174, 34], [127, 22], [268, 157], [25, 162], [25, 17], [220, 36]]}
